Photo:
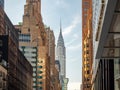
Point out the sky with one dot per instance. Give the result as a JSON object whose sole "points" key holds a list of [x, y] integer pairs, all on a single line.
{"points": [[70, 13]]}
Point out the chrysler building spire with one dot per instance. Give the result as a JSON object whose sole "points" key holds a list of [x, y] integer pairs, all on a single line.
{"points": [[60, 38], [60, 26]]}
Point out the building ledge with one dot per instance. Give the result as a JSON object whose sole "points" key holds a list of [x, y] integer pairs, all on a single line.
{"points": [[117, 76], [106, 47]]}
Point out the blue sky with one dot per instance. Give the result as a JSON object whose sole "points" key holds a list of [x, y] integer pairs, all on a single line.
{"points": [[70, 13]]}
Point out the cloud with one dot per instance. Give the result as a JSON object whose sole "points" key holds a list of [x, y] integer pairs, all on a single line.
{"points": [[71, 41], [69, 29], [75, 37], [74, 86], [75, 47]]}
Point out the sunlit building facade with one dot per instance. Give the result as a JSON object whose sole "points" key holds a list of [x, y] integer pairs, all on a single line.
{"points": [[29, 51], [34, 44], [87, 52]]}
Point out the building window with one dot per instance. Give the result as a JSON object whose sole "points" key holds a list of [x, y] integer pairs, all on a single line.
{"points": [[33, 61], [34, 66], [85, 9], [86, 3], [39, 77], [88, 65], [40, 82], [87, 45], [88, 72], [88, 79], [85, 15], [87, 58], [39, 88], [34, 81], [24, 37], [87, 52], [39, 66], [40, 72], [41, 61]]}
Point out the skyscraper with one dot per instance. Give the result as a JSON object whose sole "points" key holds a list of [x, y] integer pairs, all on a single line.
{"points": [[87, 53], [61, 57], [60, 54], [33, 43]]}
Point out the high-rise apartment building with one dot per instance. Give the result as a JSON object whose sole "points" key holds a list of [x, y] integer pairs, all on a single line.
{"points": [[61, 57], [87, 52], [34, 44]]}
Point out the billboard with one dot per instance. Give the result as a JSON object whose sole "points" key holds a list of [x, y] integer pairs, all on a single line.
{"points": [[3, 47]]}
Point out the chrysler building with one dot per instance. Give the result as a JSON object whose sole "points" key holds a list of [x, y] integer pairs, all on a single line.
{"points": [[61, 57]]}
